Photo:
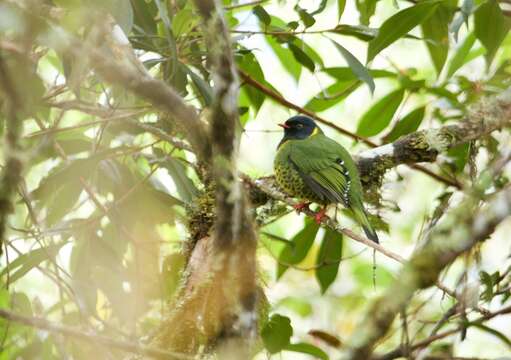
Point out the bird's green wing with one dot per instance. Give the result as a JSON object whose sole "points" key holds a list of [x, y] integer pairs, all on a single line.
{"points": [[330, 172], [324, 168]]}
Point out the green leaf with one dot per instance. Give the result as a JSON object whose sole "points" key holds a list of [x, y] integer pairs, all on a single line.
{"points": [[341, 4], [329, 259], [359, 70], [261, 14], [285, 57], [307, 19], [309, 349], [493, 332], [361, 32], [490, 27], [302, 57], [378, 117], [399, 25], [203, 88], [26, 262], [277, 333], [459, 58], [300, 306], [321, 7], [406, 125], [344, 73], [301, 243], [436, 28], [185, 186], [366, 9], [144, 14], [332, 95], [183, 22], [122, 11]]}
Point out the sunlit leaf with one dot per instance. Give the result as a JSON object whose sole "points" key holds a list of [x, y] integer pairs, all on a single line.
{"points": [[299, 305], [459, 58], [399, 25], [309, 349], [26, 262], [341, 4], [358, 69], [298, 249], [409, 123]]}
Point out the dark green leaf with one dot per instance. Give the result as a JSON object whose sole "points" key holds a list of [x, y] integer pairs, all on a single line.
{"points": [[358, 69], [436, 28], [321, 7], [307, 19], [459, 58], [301, 243], [302, 57], [332, 95], [459, 156], [407, 124], [329, 259], [261, 14], [361, 32], [277, 333], [309, 349], [490, 27], [378, 117], [399, 25]]}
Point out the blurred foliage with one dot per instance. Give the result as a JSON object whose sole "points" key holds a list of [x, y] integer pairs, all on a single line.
{"points": [[101, 220]]}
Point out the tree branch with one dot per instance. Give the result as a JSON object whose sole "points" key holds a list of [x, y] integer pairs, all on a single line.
{"points": [[488, 115], [95, 339], [281, 100], [462, 229], [11, 172]]}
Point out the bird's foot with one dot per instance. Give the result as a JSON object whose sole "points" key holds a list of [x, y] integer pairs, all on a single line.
{"points": [[320, 215], [301, 206]]}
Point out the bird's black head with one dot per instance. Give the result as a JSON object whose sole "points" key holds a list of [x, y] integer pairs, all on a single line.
{"points": [[298, 128]]}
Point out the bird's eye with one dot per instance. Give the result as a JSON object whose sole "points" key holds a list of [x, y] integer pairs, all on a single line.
{"points": [[299, 126]]}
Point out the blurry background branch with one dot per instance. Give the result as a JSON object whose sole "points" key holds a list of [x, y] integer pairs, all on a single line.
{"points": [[461, 229], [95, 339]]}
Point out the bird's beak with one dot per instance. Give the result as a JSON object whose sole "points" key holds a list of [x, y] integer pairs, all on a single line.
{"points": [[284, 126]]}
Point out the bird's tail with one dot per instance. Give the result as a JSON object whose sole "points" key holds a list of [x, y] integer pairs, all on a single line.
{"points": [[361, 217]]}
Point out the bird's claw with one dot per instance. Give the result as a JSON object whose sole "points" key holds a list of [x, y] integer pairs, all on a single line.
{"points": [[301, 206], [320, 215]]}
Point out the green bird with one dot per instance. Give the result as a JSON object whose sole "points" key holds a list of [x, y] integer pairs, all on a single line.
{"points": [[314, 168]]}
